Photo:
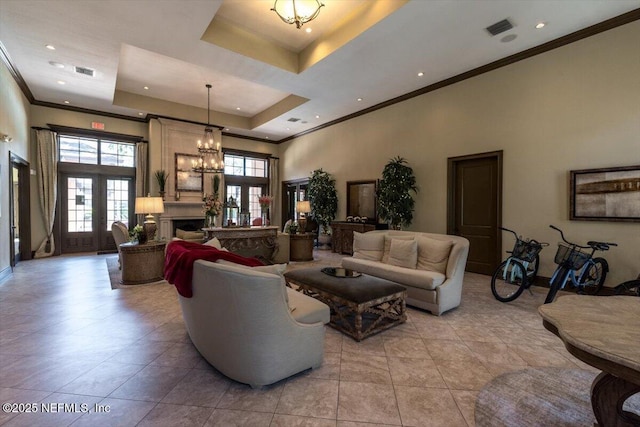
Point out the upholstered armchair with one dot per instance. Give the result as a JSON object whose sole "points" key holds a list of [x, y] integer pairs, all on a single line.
{"points": [[120, 234], [240, 321]]}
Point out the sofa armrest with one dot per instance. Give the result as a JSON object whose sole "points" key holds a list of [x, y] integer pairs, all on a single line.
{"points": [[281, 253]]}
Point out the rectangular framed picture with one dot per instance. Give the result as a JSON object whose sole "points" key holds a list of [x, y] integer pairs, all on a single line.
{"points": [[609, 194], [186, 178]]}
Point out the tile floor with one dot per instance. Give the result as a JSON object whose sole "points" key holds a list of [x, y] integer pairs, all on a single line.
{"points": [[67, 338]]}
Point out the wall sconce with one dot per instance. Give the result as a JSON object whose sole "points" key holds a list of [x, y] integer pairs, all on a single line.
{"points": [[5, 138]]}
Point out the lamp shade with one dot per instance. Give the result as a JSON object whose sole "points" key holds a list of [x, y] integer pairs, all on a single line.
{"points": [[149, 205], [303, 206]]}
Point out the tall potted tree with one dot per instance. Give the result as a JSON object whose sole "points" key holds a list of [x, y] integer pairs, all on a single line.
{"points": [[323, 199], [395, 202]]}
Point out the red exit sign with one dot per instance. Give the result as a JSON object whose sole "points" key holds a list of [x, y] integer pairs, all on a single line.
{"points": [[97, 125]]}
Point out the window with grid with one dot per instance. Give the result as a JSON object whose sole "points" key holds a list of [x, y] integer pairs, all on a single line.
{"points": [[237, 165], [94, 151], [80, 204]]}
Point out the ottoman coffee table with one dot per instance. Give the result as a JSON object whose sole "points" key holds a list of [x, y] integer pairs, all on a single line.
{"points": [[360, 306]]}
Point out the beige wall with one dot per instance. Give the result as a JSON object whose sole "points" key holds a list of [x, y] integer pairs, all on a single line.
{"points": [[14, 115], [575, 107]]}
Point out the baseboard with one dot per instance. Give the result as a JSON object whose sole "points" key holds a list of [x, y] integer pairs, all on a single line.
{"points": [[4, 274]]}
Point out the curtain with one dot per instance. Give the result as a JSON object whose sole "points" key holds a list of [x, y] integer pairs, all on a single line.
{"points": [[142, 166], [47, 169], [223, 194], [274, 188]]}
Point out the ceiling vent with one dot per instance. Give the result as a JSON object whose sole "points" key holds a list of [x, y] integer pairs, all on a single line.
{"points": [[293, 119], [499, 27], [86, 71]]}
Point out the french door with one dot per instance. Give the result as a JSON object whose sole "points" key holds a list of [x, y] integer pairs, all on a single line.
{"points": [[89, 204]]}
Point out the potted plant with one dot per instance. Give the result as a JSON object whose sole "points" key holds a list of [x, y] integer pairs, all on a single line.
{"points": [[161, 176], [323, 198], [395, 202]]}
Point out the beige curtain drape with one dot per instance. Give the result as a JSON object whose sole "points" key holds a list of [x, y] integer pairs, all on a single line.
{"points": [[47, 170], [274, 189], [142, 172]]}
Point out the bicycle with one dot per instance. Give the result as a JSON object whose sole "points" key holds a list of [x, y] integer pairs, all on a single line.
{"points": [[518, 271], [630, 287], [578, 267]]}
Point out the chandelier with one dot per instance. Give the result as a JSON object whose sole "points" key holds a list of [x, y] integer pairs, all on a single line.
{"points": [[297, 12], [210, 152]]}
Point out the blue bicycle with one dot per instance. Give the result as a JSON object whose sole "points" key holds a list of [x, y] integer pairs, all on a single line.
{"points": [[578, 267], [518, 271]]}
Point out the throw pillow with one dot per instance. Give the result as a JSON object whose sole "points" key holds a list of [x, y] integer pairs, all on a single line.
{"points": [[369, 246], [403, 253], [214, 242], [433, 254], [387, 244]]}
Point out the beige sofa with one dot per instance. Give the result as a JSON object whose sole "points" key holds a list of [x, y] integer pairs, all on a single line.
{"points": [[431, 266], [240, 321]]}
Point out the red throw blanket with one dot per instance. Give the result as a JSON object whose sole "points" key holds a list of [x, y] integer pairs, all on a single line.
{"points": [[178, 262]]}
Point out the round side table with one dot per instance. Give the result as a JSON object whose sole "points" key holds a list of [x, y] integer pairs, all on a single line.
{"points": [[142, 263], [301, 247]]}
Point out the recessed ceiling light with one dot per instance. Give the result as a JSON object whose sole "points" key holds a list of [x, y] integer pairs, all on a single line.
{"points": [[226, 129], [540, 25], [238, 108], [308, 30], [420, 74], [66, 102], [141, 114], [62, 82], [50, 47], [266, 137], [288, 128], [146, 88], [317, 117], [359, 99], [56, 64]]}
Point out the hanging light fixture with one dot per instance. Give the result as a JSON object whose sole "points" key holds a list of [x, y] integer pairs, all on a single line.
{"points": [[297, 12], [210, 159]]}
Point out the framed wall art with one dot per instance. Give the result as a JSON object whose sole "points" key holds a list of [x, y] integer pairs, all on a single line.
{"points": [[608, 194], [186, 178]]}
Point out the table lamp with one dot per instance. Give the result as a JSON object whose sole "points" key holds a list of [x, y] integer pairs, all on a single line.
{"points": [[303, 207], [149, 206]]}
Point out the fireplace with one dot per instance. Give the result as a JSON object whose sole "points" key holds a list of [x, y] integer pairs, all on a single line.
{"points": [[187, 216], [190, 224]]}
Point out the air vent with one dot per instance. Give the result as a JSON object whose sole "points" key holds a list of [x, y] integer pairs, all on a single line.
{"points": [[499, 27], [86, 71], [293, 119]]}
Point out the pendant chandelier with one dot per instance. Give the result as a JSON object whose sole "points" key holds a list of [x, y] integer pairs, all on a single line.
{"points": [[210, 152], [297, 12]]}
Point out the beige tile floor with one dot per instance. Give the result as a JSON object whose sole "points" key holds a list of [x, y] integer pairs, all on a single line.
{"points": [[67, 338]]}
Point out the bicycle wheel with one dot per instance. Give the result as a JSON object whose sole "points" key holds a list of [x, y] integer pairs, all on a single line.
{"points": [[556, 284], [508, 281], [592, 278], [532, 270], [632, 287]]}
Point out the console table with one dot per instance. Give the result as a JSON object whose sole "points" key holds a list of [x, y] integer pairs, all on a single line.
{"points": [[246, 241], [142, 263], [605, 333]]}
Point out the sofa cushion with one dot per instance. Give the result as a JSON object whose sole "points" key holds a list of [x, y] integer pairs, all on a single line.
{"points": [[277, 269], [403, 253], [214, 242], [189, 235], [307, 309], [387, 244], [433, 254], [368, 246], [422, 279]]}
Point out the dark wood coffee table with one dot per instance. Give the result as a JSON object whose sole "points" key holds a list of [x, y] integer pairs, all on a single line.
{"points": [[360, 306]]}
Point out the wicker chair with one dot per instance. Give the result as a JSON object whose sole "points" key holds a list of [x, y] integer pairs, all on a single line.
{"points": [[120, 234]]}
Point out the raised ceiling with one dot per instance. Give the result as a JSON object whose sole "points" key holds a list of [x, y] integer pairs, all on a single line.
{"points": [[265, 72]]}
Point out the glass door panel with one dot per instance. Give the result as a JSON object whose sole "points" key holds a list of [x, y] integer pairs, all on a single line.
{"points": [[117, 201]]}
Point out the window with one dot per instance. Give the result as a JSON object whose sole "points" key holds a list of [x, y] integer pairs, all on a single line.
{"points": [[246, 178], [245, 166], [93, 151]]}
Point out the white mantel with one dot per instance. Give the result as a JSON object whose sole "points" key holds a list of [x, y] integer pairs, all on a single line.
{"points": [[178, 210]]}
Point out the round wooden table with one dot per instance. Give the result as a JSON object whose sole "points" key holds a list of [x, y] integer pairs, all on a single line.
{"points": [[605, 333]]}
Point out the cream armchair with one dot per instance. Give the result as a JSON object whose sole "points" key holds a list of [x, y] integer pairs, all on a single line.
{"points": [[239, 321], [120, 234]]}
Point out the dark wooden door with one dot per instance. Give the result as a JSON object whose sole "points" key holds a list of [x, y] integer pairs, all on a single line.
{"points": [[19, 210], [475, 201]]}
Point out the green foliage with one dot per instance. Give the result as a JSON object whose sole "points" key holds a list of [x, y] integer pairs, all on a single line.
{"points": [[161, 176], [323, 197], [395, 203], [216, 185]]}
